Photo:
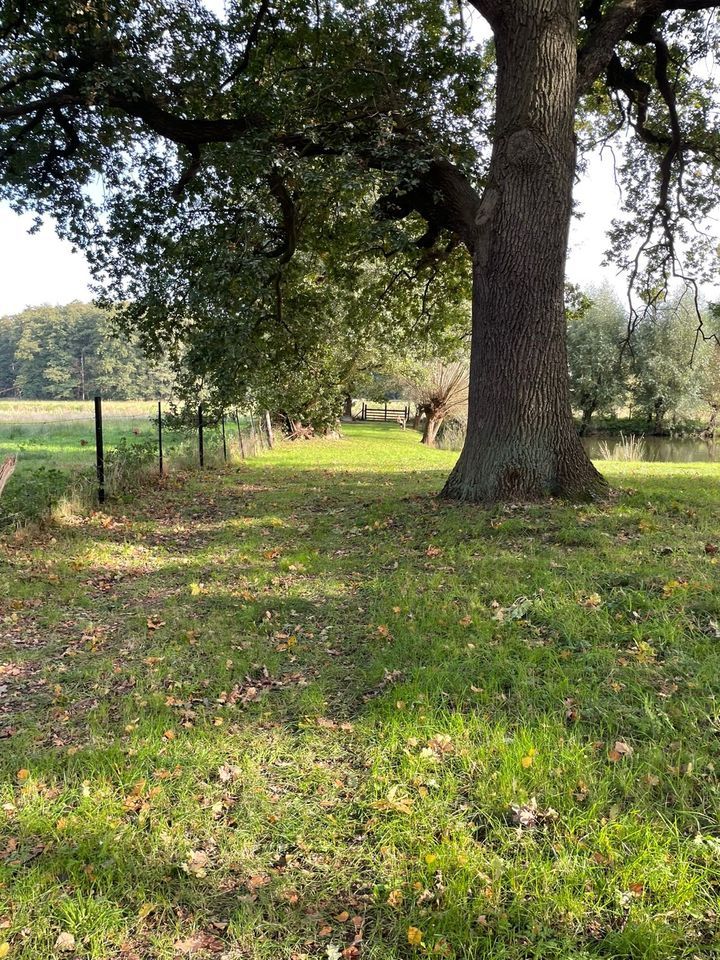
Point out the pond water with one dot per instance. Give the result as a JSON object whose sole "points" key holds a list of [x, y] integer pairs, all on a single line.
{"points": [[660, 448]]}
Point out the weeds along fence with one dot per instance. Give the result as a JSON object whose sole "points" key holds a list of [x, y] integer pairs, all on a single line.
{"points": [[84, 452]]}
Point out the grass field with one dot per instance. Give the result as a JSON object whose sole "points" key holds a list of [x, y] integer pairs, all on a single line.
{"points": [[62, 434], [300, 708]]}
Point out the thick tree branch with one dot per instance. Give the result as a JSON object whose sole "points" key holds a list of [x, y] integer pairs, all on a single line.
{"points": [[252, 39], [189, 172], [286, 250], [609, 29], [445, 199], [490, 9]]}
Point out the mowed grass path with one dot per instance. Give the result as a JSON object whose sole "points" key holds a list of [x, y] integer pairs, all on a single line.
{"points": [[302, 708]]}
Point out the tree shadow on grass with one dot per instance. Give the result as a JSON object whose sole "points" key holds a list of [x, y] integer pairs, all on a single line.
{"points": [[438, 692]]}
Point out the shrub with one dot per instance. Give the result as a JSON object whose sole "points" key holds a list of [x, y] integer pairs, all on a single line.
{"points": [[127, 462], [32, 495], [451, 435]]}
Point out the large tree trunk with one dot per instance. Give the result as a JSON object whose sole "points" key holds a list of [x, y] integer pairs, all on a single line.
{"points": [[521, 440]]}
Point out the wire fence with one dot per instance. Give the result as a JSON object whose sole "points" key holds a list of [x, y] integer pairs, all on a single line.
{"points": [[98, 450]]}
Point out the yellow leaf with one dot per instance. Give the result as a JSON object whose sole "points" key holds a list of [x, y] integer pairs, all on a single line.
{"points": [[395, 898], [414, 936], [4, 949], [23, 774]]}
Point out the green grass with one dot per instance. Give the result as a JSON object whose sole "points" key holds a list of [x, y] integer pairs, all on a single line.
{"points": [[61, 434], [301, 708]]}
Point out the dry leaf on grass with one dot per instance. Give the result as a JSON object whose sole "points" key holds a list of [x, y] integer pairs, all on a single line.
{"points": [[199, 942], [620, 750], [65, 942]]}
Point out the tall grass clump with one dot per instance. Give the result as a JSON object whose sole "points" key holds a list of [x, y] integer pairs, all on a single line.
{"points": [[451, 435], [627, 449]]}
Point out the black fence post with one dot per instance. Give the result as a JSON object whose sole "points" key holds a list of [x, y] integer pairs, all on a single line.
{"points": [[222, 424], [99, 450], [160, 447], [386, 411], [201, 447]]}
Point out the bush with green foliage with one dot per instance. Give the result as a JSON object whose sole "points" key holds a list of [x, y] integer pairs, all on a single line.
{"points": [[34, 497], [673, 369]]}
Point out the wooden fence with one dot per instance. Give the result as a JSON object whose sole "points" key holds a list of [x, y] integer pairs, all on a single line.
{"points": [[383, 414]]}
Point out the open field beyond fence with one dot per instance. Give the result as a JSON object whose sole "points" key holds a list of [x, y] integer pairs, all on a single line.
{"points": [[54, 442]]}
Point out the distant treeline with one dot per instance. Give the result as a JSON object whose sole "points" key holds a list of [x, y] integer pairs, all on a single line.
{"points": [[73, 352]]}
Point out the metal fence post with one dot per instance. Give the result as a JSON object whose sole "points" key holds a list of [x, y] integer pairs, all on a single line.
{"points": [[160, 446], [269, 429], [99, 450], [201, 447], [240, 439], [222, 424], [386, 410]]}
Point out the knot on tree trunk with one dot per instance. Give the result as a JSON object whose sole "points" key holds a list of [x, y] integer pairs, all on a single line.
{"points": [[521, 149]]}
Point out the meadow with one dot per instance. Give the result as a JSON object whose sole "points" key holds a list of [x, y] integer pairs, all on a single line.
{"points": [[298, 707]]}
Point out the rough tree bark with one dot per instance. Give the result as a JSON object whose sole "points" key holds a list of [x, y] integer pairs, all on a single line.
{"points": [[521, 441]]}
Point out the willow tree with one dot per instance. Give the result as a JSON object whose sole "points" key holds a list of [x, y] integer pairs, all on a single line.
{"points": [[439, 389], [198, 126]]}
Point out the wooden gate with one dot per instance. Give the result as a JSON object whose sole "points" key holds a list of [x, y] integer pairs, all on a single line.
{"points": [[384, 414]]}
